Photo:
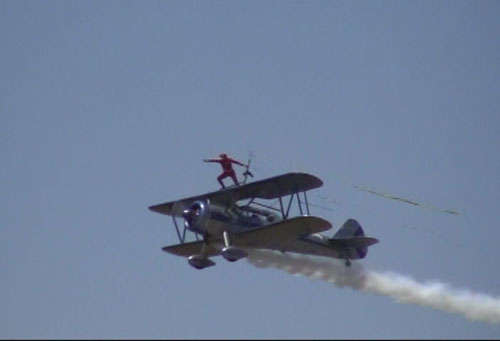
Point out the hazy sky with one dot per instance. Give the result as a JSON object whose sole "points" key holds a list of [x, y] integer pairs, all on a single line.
{"points": [[107, 107]]}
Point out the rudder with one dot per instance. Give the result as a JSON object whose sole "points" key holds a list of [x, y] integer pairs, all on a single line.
{"points": [[351, 228], [349, 231]]}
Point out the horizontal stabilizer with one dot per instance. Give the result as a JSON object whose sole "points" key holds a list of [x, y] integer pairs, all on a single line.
{"points": [[354, 242]]}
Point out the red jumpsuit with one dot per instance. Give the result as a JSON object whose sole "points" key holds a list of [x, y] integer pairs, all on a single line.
{"points": [[227, 168]]}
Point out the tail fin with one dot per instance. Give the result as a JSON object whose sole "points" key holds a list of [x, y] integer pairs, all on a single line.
{"points": [[352, 237], [351, 228]]}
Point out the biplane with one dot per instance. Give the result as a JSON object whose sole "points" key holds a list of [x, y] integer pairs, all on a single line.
{"points": [[233, 221]]}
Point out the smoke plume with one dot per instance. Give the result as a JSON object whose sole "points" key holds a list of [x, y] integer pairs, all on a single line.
{"points": [[473, 306]]}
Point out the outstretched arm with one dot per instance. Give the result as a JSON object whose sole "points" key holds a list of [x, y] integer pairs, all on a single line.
{"points": [[237, 162], [210, 160]]}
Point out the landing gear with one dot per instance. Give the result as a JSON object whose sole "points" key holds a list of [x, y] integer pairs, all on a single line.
{"points": [[229, 252], [200, 262], [347, 260]]}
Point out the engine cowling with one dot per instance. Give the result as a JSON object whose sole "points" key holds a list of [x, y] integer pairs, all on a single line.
{"points": [[196, 216]]}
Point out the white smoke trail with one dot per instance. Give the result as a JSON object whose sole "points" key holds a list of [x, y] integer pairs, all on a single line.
{"points": [[477, 307]]}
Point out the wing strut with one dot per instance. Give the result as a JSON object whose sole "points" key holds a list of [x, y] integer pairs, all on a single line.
{"points": [[300, 204], [181, 239], [295, 192], [307, 203], [183, 233], [289, 204]]}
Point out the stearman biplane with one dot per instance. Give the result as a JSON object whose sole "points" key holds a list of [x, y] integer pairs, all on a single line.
{"points": [[231, 222]]}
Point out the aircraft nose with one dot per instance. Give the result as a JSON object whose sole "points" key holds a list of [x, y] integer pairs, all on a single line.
{"points": [[187, 214]]}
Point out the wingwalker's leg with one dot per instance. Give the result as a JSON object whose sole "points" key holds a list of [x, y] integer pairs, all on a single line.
{"points": [[229, 252]]}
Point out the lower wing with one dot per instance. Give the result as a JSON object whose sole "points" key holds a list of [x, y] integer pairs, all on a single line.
{"points": [[282, 236]]}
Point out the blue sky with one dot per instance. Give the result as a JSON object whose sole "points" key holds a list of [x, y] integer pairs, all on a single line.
{"points": [[107, 107]]}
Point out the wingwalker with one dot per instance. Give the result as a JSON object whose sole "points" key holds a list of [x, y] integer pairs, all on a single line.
{"points": [[231, 222]]}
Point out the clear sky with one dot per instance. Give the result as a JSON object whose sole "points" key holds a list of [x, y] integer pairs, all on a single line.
{"points": [[107, 107]]}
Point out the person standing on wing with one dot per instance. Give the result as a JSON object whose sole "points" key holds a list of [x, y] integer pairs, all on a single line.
{"points": [[227, 168]]}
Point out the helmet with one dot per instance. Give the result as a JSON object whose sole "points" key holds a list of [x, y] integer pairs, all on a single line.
{"points": [[223, 155]]}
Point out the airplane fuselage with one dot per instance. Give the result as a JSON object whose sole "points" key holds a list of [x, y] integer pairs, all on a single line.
{"points": [[237, 219], [231, 228]]}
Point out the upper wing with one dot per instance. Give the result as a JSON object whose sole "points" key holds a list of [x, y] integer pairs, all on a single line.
{"points": [[276, 236], [270, 188]]}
